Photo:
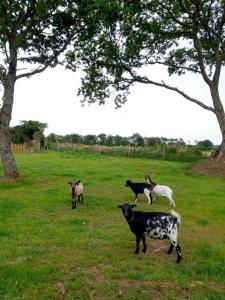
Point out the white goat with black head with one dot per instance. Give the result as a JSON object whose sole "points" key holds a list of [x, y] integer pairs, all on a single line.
{"points": [[156, 225], [77, 191], [160, 190]]}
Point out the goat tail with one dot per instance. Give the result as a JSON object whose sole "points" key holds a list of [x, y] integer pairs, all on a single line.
{"points": [[176, 215]]}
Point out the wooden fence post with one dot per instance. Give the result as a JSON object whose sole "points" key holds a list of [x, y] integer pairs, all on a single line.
{"points": [[164, 152]]}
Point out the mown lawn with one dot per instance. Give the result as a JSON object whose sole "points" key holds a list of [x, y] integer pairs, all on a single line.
{"points": [[48, 251]]}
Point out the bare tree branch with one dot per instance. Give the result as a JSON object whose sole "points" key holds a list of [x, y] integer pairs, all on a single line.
{"points": [[175, 89], [170, 65]]}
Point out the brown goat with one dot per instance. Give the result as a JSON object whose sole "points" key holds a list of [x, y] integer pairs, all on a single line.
{"points": [[77, 190]]}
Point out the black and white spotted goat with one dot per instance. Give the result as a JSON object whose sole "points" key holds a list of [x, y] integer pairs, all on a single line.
{"points": [[77, 191], [156, 225], [140, 188]]}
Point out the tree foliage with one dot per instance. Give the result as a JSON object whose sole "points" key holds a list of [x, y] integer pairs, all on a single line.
{"points": [[136, 139], [113, 140], [37, 31], [185, 36], [205, 144], [28, 131]]}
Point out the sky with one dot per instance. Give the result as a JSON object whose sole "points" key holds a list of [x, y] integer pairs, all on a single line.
{"points": [[51, 97]]}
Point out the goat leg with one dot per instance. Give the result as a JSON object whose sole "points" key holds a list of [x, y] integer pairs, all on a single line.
{"points": [[73, 204], [178, 250], [170, 249], [138, 239], [136, 195], [144, 244]]}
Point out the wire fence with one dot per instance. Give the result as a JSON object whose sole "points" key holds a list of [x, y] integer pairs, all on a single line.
{"points": [[164, 152]]}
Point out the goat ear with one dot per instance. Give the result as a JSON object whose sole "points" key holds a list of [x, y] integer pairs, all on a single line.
{"points": [[133, 205], [119, 206]]}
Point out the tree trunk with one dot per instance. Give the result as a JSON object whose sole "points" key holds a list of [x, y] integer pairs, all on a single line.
{"points": [[8, 160], [219, 154]]}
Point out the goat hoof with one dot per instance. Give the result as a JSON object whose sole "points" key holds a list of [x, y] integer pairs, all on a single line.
{"points": [[178, 260]]}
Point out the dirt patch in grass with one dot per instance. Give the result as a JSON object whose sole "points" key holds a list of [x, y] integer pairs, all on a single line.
{"points": [[97, 275], [44, 182], [210, 168], [8, 180], [150, 288], [60, 289]]}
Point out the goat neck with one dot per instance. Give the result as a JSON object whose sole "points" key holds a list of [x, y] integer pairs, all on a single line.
{"points": [[149, 180], [131, 219]]}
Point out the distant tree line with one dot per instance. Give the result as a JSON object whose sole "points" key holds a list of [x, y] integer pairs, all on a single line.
{"points": [[112, 140], [116, 140], [27, 131]]}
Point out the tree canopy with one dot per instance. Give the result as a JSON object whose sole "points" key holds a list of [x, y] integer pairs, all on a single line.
{"points": [[36, 32], [205, 144], [28, 131], [185, 36]]}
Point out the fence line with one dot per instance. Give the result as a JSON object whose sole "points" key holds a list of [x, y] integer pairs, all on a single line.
{"points": [[165, 152], [128, 150], [34, 147]]}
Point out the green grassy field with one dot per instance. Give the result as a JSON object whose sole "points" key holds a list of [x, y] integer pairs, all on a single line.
{"points": [[49, 251]]}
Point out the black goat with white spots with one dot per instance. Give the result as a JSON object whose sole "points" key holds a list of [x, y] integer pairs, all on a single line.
{"points": [[156, 225]]}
